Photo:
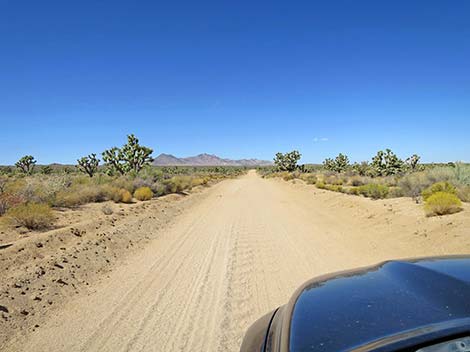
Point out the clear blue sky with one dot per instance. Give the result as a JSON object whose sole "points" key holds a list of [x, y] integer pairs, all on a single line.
{"points": [[235, 78]]}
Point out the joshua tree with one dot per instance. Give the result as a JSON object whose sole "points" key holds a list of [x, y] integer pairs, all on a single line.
{"points": [[88, 164], [340, 164], [135, 155], [287, 161], [387, 163], [26, 164], [131, 157], [413, 162]]}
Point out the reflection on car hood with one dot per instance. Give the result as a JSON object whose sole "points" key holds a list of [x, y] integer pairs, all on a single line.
{"points": [[371, 308]]}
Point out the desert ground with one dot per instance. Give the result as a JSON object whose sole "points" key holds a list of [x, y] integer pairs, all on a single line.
{"points": [[191, 273]]}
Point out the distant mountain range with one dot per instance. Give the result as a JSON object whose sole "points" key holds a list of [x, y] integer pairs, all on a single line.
{"points": [[205, 160]]}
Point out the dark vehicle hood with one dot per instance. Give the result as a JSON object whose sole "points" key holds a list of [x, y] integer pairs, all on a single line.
{"points": [[394, 304]]}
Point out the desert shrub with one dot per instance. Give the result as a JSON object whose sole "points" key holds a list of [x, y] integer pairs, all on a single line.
{"points": [[124, 183], [439, 174], [320, 185], [442, 203], [31, 215], [333, 180], [395, 192], [143, 193], [139, 182], [463, 193], [357, 181], [287, 176], [159, 188], [439, 187], [8, 200], [334, 188], [413, 184], [178, 184], [353, 191], [121, 195], [200, 181], [374, 191], [78, 195], [310, 179], [462, 174]]}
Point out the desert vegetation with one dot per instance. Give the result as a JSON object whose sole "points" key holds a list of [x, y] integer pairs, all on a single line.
{"points": [[29, 193], [441, 187]]}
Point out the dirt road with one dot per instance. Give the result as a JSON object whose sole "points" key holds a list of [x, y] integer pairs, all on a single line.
{"points": [[237, 254]]}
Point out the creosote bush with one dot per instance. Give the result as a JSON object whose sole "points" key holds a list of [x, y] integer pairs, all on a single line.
{"points": [[31, 215], [442, 203], [143, 193]]}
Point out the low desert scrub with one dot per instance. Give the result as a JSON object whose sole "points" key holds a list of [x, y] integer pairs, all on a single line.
{"points": [[439, 187], [442, 203], [79, 195], [143, 193], [8, 201], [309, 179], [374, 191], [463, 193], [120, 195], [334, 180], [178, 184], [31, 215]]}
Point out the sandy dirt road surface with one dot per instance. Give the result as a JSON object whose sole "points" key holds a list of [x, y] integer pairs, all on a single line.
{"points": [[235, 255]]}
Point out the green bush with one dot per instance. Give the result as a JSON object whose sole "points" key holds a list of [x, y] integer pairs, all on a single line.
{"points": [[31, 215], [439, 187], [320, 185], [442, 203], [374, 191], [143, 193], [353, 191], [334, 188]]}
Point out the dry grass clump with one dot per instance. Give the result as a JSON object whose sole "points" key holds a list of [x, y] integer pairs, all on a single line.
{"points": [[442, 203], [143, 193], [8, 201], [463, 193], [309, 179], [178, 184], [78, 195], [120, 195], [33, 216]]}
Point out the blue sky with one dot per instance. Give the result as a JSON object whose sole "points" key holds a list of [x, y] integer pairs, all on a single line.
{"points": [[238, 79]]}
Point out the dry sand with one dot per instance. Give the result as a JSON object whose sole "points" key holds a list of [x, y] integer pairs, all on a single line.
{"points": [[192, 273]]}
